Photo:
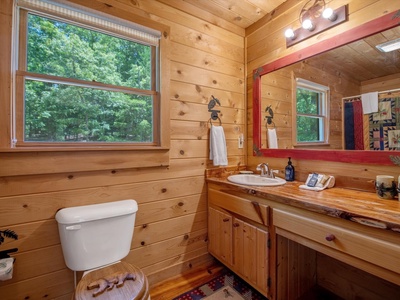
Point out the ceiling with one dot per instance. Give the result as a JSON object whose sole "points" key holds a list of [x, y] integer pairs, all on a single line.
{"points": [[355, 60], [361, 60], [242, 13]]}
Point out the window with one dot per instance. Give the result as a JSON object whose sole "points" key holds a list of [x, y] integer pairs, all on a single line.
{"points": [[311, 112], [84, 79]]}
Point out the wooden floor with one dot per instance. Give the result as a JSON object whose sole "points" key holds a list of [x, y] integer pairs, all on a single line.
{"points": [[176, 286]]}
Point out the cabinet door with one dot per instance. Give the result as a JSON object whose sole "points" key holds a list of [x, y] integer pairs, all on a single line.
{"points": [[220, 235], [262, 259], [250, 259]]}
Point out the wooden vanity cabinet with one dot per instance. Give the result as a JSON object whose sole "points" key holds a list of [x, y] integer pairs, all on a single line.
{"points": [[238, 237], [301, 253], [373, 250]]}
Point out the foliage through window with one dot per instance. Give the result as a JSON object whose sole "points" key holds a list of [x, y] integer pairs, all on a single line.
{"points": [[79, 84], [311, 112]]}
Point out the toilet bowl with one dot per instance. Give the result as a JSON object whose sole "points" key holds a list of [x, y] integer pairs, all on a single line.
{"points": [[94, 239]]}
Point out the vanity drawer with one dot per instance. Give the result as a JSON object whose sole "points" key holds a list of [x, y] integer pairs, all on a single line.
{"points": [[252, 210], [369, 244]]}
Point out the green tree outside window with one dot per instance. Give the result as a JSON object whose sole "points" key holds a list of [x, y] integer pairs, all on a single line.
{"points": [[311, 111], [67, 110]]}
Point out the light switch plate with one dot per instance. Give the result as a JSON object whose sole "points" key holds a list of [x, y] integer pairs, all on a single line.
{"points": [[240, 141]]}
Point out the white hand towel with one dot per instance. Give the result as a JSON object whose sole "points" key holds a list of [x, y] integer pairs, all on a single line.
{"points": [[218, 151], [369, 102], [272, 139]]}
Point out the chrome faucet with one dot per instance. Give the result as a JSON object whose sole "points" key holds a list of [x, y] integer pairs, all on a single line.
{"points": [[265, 170]]}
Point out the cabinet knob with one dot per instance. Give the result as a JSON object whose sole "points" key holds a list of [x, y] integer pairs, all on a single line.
{"points": [[330, 237], [235, 224], [225, 220]]}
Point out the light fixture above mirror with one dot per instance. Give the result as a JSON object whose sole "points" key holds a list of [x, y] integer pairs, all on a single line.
{"points": [[314, 18]]}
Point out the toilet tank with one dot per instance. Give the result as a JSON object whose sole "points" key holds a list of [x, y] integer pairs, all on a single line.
{"points": [[96, 235]]}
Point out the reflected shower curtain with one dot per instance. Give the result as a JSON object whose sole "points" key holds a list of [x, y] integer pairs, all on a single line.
{"points": [[353, 124]]}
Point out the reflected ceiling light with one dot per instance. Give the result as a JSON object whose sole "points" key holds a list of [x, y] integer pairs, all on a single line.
{"points": [[389, 46], [315, 18]]}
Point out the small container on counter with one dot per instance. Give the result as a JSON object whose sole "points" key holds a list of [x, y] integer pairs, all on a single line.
{"points": [[289, 171], [385, 187]]}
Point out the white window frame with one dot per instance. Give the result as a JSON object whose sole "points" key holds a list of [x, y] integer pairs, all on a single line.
{"points": [[92, 19], [323, 114]]}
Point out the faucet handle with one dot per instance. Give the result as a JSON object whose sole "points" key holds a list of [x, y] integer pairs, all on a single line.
{"points": [[263, 167], [260, 166], [271, 173]]}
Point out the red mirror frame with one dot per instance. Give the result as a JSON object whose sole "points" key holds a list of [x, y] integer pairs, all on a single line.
{"points": [[349, 156]]}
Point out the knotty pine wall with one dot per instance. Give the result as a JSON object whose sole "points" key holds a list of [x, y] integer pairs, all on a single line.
{"points": [[386, 83], [265, 42], [171, 225]]}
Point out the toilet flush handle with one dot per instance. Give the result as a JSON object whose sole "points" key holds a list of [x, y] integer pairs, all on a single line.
{"points": [[73, 227]]}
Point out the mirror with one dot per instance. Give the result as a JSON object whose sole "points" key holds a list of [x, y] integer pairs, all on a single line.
{"points": [[289, 66]]}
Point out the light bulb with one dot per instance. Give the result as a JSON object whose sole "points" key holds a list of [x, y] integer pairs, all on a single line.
{"points": [[289, 33], [329, 14], [308, 24]]}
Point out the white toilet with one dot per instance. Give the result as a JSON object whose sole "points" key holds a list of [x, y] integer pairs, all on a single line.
{"points": [[94, 238]]}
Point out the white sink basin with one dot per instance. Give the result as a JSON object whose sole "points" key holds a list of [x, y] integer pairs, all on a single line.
{"points": [[251, 179]]}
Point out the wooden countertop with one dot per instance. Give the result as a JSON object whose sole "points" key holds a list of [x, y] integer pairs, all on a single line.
{"points": [[356, 206]]}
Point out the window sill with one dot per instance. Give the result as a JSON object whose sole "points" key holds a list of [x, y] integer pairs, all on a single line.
{"points": [[313, 145], [33, 161], [81, 149]]}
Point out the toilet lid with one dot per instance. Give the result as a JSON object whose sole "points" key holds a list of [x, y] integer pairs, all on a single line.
{"points": [[137, 289]]}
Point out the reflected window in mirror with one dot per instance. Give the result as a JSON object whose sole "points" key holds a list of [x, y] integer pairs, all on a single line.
{"points": [[311, 113]]}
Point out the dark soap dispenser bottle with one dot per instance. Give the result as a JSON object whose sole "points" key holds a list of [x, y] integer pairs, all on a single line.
{"points": [[289, 171]]}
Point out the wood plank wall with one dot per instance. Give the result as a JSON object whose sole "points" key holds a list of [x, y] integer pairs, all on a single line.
{"points": [[381, 84], [265, 43], [207, 58]]}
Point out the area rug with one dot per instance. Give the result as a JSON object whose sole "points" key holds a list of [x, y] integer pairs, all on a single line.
{"points": [[226, 286]]}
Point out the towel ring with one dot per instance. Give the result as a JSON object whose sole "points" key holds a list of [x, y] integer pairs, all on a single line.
{"points": [[214, 113], [210, 120]]}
